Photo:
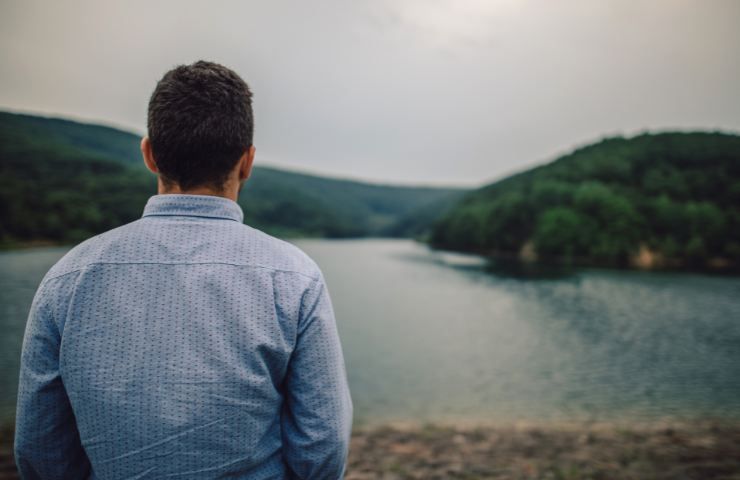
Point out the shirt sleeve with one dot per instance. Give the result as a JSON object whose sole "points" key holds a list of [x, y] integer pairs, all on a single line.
{"points": [[47, 443], [317, 413]]}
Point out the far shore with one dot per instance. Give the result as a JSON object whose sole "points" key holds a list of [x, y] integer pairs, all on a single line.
{"points": [[526, 261], [697, 449], [511, 262], [30, 244]]}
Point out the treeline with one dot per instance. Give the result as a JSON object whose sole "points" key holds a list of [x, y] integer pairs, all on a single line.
{"points": [[64, 181], [56, 189], [669, 199], [654, 200]]}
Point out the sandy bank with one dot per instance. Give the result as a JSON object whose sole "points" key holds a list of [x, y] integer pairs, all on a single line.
{"points": [[689, 450]]}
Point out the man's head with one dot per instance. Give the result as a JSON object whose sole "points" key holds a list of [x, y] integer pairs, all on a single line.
{"points": [[200, 126]]}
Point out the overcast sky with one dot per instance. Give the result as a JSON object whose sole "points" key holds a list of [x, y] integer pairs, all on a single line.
{"points": [[404, 91]]}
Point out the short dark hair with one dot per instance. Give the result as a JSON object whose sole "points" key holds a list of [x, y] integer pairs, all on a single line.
{"points": [[200, 123]]}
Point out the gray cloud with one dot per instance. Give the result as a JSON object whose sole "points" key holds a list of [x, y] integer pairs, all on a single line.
{"points": [[440, 92]]}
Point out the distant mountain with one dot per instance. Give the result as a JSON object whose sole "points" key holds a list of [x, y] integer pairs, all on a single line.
{"points": [[95, 140], [63, 181], [654, 200], [299, 204]]}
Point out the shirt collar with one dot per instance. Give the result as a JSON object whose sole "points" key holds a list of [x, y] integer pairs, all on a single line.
{"points": [[193, 206]]}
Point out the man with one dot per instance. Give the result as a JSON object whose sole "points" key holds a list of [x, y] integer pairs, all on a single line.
{"points": [[185, 344]]}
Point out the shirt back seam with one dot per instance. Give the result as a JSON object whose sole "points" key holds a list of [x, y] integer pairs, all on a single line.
{"points": [[248, 265]]}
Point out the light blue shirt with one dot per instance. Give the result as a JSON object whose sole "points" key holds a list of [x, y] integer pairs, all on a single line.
{"points": [[183, 345]]}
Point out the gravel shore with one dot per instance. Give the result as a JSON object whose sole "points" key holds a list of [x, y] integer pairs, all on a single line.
{"points": [[698, 450], [690, 450]]}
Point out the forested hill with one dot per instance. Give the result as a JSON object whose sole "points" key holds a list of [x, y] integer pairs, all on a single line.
{"points": [[654, 200], [63, 181]]}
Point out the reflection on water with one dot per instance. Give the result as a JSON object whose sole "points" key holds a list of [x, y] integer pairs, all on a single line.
{"points": [[424, 340], [431, 335], [528, 271]]}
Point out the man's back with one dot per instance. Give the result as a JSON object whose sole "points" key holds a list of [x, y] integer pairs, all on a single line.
{"points": [[189, 345]]}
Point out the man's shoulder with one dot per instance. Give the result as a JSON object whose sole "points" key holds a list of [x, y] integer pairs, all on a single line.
{"points": [[88, 251], [264, 250]]}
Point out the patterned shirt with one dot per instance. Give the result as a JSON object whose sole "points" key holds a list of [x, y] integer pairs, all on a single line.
{"points": [[183, 345]]}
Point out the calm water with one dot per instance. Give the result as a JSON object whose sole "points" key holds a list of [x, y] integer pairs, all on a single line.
{"points": [[437, 336]]}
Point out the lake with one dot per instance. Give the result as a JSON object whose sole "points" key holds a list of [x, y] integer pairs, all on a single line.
{"points": [[438, 336]]}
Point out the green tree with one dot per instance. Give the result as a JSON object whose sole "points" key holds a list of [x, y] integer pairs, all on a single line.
{"points": [[563, 232]]}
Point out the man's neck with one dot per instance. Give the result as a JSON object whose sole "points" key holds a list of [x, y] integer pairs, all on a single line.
{"points": [[227, 192]]}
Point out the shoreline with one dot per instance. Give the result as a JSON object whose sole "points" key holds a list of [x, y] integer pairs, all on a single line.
{"points": [[506, 262], [664, 449], [30, 245], [701, 449], [528, 262]]}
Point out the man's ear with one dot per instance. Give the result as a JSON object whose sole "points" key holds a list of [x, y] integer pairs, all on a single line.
{"points": [[245, 163], [146, 152]]}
